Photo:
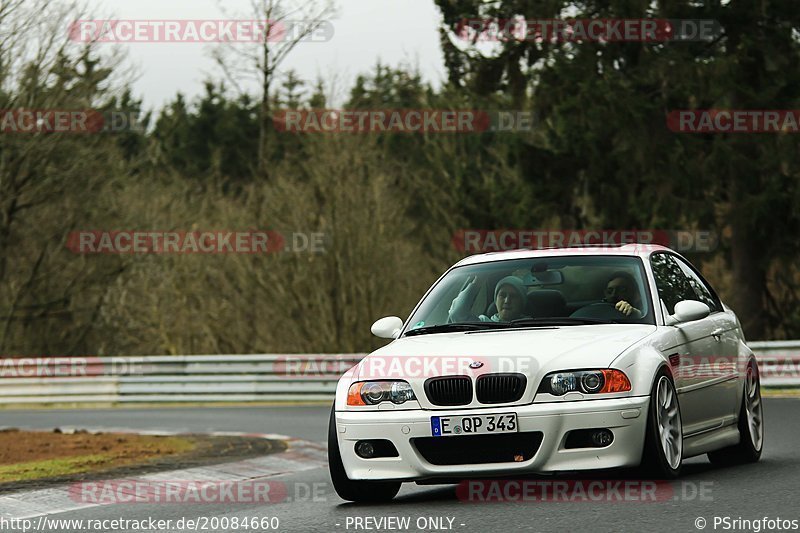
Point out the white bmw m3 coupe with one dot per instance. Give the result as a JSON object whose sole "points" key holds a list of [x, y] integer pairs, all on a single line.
{"points": [[542, 361]]}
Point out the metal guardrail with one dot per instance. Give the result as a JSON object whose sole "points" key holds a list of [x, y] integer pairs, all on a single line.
{"points": [[238, 378], [165, 379]]}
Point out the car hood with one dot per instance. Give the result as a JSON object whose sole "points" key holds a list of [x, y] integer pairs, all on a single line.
{"points": [[533, 352]]}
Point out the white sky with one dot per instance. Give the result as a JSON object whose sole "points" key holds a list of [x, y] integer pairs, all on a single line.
{"points": [[394, 31]]}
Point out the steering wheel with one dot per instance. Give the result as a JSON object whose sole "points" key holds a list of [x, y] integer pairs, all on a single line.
{"points": [[602, 310]]}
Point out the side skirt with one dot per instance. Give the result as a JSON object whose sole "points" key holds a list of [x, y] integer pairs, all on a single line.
{"points": [[708, 441]]}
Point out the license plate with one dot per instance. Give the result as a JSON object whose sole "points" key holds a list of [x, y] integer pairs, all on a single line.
{"points": [[449, 426]]}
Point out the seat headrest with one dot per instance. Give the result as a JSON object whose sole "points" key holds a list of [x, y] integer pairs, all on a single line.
{"points": [[544, 303]]}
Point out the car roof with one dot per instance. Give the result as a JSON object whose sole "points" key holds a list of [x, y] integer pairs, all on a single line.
{"points": [[633, 250]]}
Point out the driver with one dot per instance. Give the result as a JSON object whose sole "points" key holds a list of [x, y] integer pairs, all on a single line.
{"points": [[622, 294], [510, 297]]}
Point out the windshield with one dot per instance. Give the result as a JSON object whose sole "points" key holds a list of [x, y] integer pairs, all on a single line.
{"points": [[551, 291]]}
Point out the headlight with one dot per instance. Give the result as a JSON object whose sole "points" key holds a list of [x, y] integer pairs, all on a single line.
{"points": [[375, 392], [585, 381]]}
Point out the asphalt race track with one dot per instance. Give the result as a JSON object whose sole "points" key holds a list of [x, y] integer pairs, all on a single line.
{"points": [[766, 489]]}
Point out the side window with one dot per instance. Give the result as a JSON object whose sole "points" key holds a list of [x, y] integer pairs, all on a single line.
{"points": [[672, 284], [701, 290]]}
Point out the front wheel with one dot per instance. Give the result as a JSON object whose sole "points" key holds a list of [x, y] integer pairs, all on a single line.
{"points": [[751, 425], [351, 489], [663, 445]]}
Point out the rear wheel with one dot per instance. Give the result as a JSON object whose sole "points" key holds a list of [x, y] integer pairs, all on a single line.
{"points": [[663, 446], [751, 425], [350, 489]]}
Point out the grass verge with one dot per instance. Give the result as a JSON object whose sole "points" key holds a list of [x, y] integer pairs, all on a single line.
{"points": [[30, 455]]}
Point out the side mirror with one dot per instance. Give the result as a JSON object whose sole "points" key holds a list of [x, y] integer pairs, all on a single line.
{"points": [[387, 327], [687, 311]]}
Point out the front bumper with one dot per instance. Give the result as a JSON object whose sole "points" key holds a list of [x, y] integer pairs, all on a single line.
{"points": [[625, 417]]}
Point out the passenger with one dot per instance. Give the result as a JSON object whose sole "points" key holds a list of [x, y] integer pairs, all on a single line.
{"points": [[621, 292], [510, 297]]}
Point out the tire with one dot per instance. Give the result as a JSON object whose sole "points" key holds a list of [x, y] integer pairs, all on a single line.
{"points": [[663, 426], [751, 437], [354, 490]]}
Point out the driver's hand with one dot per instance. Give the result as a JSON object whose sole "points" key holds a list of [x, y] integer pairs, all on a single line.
{"points": [[625, 308], [459, 309]]}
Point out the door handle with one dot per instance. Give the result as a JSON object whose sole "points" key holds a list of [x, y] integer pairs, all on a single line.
{"points": [[717, 334]]}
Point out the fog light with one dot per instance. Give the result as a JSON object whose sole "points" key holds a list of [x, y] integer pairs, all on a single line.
{"points": [[365, 449], [602, 437]]}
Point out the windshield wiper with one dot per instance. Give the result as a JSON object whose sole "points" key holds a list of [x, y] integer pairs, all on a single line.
{"points": [[456, 326], [520, 322], [559, 321]]}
